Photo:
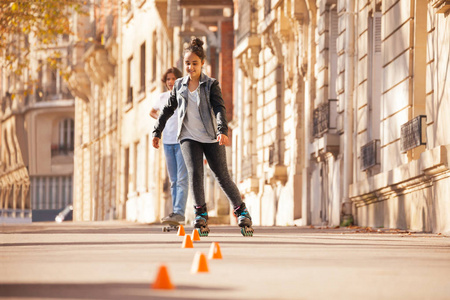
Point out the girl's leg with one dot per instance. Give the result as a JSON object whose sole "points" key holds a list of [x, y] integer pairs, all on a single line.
{"points": [[217, 160], [193, 158]]}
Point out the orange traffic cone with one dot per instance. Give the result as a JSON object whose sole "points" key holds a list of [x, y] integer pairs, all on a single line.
{"points": [[200, 265], [214, 251], [195, 235], [180, 230], [162, 281], [187, 242]]}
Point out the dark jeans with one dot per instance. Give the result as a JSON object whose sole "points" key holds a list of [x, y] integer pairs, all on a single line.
{"points": [[216, 156]]}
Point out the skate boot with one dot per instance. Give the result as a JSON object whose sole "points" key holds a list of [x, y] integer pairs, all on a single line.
{"points": [[201, 220], [244, 220]]}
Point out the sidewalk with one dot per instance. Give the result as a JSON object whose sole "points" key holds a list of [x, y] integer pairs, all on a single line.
{"points": [[118, 260]]}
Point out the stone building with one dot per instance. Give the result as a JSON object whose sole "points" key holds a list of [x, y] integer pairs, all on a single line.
{"points": [[37, 124], [116, 79], [94, 82], [146, 51], [275, 54], [149, 48], [339, 109], [401, 144]]}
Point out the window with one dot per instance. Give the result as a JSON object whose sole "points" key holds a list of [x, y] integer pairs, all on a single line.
{"points": [[142, 68], [333, 57], [65, 138], [126, 169], [130, 80], [154, 57], [267, 7]]}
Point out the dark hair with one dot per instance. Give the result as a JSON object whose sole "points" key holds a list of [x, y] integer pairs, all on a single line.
{"points": [[172, 70], [196, 47]]}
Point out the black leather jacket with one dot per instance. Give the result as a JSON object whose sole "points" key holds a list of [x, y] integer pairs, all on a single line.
{"points": [[211, 107]]}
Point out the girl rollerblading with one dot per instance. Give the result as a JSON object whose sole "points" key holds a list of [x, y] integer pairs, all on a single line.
{"points": [[202, 131]]}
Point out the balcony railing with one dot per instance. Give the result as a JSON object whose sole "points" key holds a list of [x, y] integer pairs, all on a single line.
{"points": [[324, 118], [441, 6], [413, 133], [51, 192], [61, 149], [370, 154]]}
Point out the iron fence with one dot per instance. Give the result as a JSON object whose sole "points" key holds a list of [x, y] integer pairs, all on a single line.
{"points": [[413, 133]]}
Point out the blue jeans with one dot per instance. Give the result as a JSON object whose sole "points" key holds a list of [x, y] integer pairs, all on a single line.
{"points": [[178, 176]]}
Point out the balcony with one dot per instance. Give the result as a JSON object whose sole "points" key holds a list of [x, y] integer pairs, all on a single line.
{"points": [[441, 6], [51, 192], [205, 4], [413, 133], [324, 118], [61, 150], [370, 155]]}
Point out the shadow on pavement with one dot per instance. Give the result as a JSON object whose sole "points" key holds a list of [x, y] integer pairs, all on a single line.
{"points": [[101, 291]]}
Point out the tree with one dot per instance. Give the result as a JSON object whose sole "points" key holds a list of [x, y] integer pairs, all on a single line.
{"points": [[40, 22]]}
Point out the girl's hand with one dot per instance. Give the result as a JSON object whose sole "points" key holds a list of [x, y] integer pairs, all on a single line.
{"points": [[222, 139], [155, 142]]}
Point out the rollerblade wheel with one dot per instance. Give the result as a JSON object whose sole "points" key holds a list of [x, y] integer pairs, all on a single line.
{"points": [[247, 231], [203, 231]]}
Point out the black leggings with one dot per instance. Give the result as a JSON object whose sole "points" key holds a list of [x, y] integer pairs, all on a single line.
{"points": [[216, 156]]}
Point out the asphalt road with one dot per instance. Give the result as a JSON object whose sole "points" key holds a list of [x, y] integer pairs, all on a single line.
{"points": [[118, 260]]}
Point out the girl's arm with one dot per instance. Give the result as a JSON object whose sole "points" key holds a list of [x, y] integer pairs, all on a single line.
{"points": [[218, 106], [165, 114]]}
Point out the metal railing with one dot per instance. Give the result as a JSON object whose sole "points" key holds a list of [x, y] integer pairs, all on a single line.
{"points": [[51, 192], [324, 118], [413, 133], [61, 149], [370, 154]]}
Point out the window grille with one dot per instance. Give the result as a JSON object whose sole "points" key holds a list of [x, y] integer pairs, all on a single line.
{"points": [[413, 133], [324, 118], [370, 154]]}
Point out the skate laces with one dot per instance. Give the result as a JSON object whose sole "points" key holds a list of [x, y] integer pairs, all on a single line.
{"points": [[239, 211]]}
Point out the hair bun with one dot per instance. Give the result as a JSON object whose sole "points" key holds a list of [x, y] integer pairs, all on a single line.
{"points": [[196, 42]]}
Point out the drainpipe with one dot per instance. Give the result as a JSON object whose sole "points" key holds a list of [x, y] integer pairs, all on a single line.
{"points": [[120, 202], [347, 216]]}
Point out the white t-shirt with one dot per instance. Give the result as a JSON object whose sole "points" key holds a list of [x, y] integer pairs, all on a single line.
{"points": [[171, 129], [193, 128]]}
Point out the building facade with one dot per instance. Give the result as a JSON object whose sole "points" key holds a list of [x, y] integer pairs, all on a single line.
{"points": [[147, 50], [275, 82], [404, 183], [336, 111], [37, 139], [339, 105], [94, 82]]}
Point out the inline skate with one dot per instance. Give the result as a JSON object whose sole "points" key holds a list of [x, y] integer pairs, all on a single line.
{"points": [[201, 220], [244, 219]]}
